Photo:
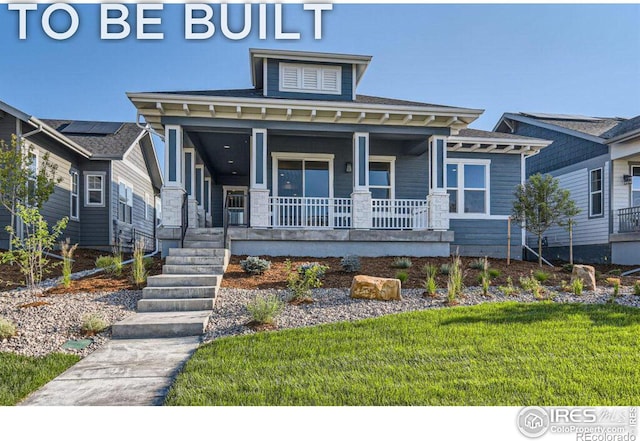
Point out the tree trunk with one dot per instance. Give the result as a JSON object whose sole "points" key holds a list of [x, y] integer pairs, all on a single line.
{"points": [[540, 250]]}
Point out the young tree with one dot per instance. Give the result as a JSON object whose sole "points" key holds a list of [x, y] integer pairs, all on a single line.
{"points": [[22, 180], [540, 203]]}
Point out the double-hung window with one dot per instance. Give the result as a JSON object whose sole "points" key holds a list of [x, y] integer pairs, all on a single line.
{"points": [[94, 190], [125, 202], [74, 196], [468, 186], [382, 177], [596, 195]]}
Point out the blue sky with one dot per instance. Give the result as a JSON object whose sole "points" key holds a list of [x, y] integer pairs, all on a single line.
{"points": [[579, 59]]}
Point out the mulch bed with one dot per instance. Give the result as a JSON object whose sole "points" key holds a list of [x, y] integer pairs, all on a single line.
{"points": [[275, 278]]}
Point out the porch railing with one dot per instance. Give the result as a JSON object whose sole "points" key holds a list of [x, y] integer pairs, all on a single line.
{"points": [[306, 212], [629, 220], [399, 214]]}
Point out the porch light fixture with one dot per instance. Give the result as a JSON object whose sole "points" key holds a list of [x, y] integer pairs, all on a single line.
{"points": [[348, 167], [227, 147], [234, 172], [627, 179], [230, 161]]}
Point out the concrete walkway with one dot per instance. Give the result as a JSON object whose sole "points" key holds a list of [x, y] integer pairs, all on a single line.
{"points": [[122, 373]]}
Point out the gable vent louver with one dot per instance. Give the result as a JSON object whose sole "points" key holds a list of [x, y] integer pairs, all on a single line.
{"points": [[290, 78], [330, 80]]}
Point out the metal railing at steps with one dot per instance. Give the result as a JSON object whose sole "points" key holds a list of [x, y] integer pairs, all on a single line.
{"points": [[185, 219], [629, 220]]}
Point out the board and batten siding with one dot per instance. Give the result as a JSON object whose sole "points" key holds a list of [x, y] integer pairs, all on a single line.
{"points": [[587, 231], [273, 82], [138, 177]]}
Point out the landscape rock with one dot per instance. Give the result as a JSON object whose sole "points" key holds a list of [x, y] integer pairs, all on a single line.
{"points": [[375, 288], [587, 274]]}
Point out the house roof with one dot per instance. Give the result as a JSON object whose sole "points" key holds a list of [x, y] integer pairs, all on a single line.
{"points": [[257, 94], [474, 140], [107, 146], [484, 134], [623, 129]]}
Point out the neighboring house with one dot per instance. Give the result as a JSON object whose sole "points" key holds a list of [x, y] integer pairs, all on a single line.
{"points": [[301, 164], [598, 160], [110, 178]]}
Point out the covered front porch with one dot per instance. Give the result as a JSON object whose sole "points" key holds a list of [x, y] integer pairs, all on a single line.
{"points": [[625, 237]]}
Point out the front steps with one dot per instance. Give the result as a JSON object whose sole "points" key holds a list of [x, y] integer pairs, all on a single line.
{"points": [[178, 302]]}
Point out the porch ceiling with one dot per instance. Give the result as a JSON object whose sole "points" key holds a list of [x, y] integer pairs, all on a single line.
{"points": [[225, 154]]}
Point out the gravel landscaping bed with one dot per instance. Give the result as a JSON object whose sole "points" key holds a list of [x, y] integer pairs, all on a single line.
{"points": [[335, 305], [45, 328]]}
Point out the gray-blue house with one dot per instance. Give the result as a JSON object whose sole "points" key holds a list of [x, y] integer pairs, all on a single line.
{"points": [[301, 164], [110, 178], [598, 160]]}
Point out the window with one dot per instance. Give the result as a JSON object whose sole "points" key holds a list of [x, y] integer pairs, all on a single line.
{"points": [[125, 202], [75, 199], [94, 190], [596, 201], [310, 78], [147, 206], [382, 177], [635, 186], [468, 186]]}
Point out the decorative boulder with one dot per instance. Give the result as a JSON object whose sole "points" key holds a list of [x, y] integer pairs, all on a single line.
{"points": [[375, 288], [587, 274]]}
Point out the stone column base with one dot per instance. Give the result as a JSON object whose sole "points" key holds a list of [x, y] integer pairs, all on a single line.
{"points": [[172, 206], [361, 210], [260, 216], [438, 203]]}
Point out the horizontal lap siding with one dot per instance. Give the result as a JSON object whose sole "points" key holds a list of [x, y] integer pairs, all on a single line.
{"points": [[273, 83], [412, 176], [483, 232]]}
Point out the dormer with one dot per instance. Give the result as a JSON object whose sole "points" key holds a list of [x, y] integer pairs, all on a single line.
{"points": [[307, 75]]}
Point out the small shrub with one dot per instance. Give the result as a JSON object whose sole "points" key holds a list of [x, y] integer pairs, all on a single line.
{"points": [[93, 324], [350, 264], [567, 268], [541, 276], [445, 269], [565, 287], [615, 283], [494, 273], [532, 285], [264, 310], [301, 281], [403, 276], [478, 264], [7, 329], [112, 265], [430, 284], [508, 289], [402, 263], [320, 270], [615, 272], [577, 286], [138, 268], [254, 265], [67, 261], [485, 283], [454, 284], [636, 288]]}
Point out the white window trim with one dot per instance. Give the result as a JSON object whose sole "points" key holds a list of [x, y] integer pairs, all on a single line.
{"points": [[207, 185], [392, 169], [200, 184], [286, 156], [129, 185], [460, 188], [192, 151], [601, 191], [102, 177], [319, 89], [76, 194], [631, 190]]}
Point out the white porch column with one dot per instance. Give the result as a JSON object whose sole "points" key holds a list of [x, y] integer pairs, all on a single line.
{"points": [[361, 196], [258, 191], [438, 198], [189, 170], [207, 201], [173, 189]]}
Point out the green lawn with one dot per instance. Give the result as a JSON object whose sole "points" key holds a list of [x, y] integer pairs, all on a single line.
{"points": [[492, 354], [20, 375]]}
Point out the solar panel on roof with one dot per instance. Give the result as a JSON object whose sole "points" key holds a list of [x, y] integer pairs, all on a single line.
{"points": [[562, 116], [92, 128]]}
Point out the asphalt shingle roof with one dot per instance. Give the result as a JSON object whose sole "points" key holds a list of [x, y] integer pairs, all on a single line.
{"points": [[258, 94], [624, 127], [108, 146], [589, 125]]}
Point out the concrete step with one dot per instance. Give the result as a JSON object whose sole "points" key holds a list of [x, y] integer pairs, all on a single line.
{"points": [[195, 260], [162, 325], [197, 252], [175, 305], [192, 269], [183, 292], [204, 231], [182, 280], [202, 244]]}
